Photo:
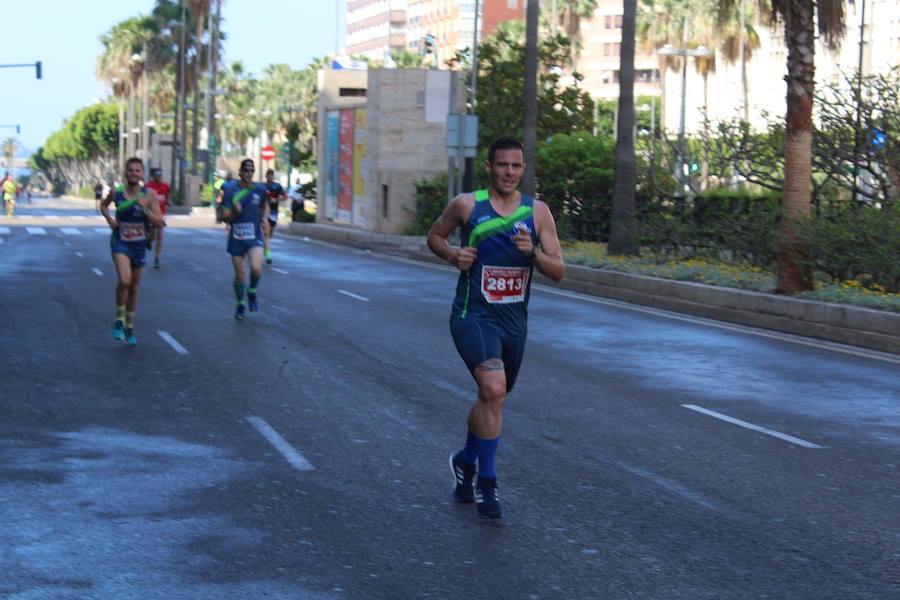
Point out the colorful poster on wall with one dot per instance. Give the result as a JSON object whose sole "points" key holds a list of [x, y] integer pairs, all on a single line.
{"points": [[332, 146], [345, 171], [360, 167]]}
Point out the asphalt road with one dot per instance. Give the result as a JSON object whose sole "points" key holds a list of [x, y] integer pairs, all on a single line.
{"points": [[302, 453]]}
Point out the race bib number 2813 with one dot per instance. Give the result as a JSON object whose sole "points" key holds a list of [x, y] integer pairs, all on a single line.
{"points": [[501, 285]]}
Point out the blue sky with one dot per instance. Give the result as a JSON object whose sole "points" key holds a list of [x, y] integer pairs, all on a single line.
{"points": [[65, 37]]}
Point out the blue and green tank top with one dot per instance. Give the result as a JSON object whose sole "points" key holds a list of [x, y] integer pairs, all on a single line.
{"points": [[247, 224], [132, 218], [498, 285]]}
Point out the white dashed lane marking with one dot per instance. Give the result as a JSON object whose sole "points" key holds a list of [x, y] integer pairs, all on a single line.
{"points": [[772, 432], [352, 295], [297, 460], [173, 342]]}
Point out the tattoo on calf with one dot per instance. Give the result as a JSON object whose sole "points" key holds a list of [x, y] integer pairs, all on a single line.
{"points": [[491, 364]]}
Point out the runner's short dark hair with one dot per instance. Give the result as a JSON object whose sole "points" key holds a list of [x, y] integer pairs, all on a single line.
{"points": [[134, 159], [155, 170], [247, 160], [272, 171], [504, 143]]}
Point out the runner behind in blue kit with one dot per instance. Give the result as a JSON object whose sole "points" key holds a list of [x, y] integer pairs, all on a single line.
{"points": [[136, 207], [246, 209], [275, 195]]}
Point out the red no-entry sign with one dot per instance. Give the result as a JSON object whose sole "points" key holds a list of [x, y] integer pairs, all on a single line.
{"points": [[268, 153]]}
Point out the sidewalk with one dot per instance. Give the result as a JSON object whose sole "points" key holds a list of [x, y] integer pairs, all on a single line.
{"points": [[843, 323]]}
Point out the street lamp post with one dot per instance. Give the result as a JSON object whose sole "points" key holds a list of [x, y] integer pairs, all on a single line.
{"points": [[145, 131], [670, 50], [121, 164], [131, 147]]}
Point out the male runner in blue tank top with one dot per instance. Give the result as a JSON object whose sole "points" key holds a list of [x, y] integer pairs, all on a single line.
{"points": [[136, 207], [246, 209], [504, 235]]}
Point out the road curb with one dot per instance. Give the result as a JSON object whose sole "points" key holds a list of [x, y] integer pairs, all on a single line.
{"points": [[843, 323]]}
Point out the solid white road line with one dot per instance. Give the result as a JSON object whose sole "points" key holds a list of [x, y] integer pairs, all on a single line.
{"points": [[79, 254], [4, 230], [70, 230], [279, 271], [36, 230], [173, 342], [295, 458], [779, 435], [102, 229], [352, 295], [97, 271]]}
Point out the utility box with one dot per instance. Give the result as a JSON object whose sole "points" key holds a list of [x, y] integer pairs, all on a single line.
{"points": [[380, 132]]}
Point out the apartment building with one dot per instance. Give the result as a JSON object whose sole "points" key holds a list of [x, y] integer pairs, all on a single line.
{"points": [[598, 61], [720, 94], [375, 28]]}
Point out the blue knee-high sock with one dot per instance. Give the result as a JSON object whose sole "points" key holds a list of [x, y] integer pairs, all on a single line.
{"points": [[470, 450], [487, 450]]}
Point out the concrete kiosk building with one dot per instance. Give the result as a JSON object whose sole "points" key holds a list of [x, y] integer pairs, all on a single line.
{"points": [[380, 132]]}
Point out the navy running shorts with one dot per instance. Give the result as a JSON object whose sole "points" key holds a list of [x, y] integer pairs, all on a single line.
{"points": [[240, 247], [133, 250], [477, 340]]}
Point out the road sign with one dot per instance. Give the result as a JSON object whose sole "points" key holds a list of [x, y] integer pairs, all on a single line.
{"points": [[462, 135], [268, 153]]}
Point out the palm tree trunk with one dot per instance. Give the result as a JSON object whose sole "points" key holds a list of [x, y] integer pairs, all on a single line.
{"points": [[800, 39], [621, 236]]}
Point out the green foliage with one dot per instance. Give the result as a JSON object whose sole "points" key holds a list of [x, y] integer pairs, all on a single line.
{"points": [[177, 197], [605, 116], [575, 176], [431, 199], [86, 191], [303, 216], [501, 74], [851, 241], [92, 131], [207, 194], [740, 228]]}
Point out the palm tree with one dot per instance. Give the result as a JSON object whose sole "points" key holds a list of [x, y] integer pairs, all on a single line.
{"points": [[569, 14], [9, 147], [737, 38], [199, 9], [661, 22], [621, 237], [799, 18], [115, 65]]}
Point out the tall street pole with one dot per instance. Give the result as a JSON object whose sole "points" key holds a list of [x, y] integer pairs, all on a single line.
{"points": [[183, 107], [121, 137], [129, 145], [145, 141], [209, 164], [469, 175], [530, 95]]}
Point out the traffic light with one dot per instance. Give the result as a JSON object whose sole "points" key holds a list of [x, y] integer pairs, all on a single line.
{"points": [[428, 44], [37, 69]]}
